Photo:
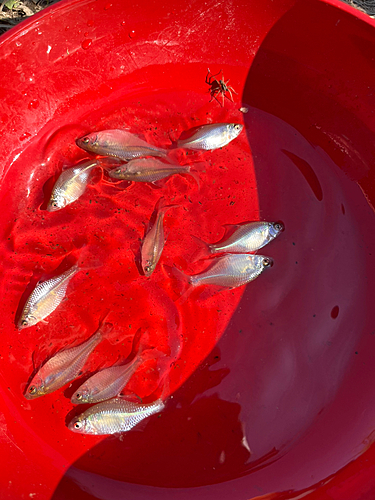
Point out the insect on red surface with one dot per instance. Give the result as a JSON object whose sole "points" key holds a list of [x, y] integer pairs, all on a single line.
{"points": [[219, 87]]}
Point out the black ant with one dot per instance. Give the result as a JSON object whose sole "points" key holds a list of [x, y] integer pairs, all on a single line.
{"points": [[219, 87]]}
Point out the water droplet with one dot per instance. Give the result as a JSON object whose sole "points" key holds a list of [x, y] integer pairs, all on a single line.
{"points": [[86, 43], [132, 34], [108, 6], [66, 28], [34, 104], [335, 312], [123, 23], [24, 136], [18, 44], [86, 34], [90, 23]]}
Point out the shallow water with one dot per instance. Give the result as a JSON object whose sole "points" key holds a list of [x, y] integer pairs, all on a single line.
{"points": [[265, 361], [106, 226]]}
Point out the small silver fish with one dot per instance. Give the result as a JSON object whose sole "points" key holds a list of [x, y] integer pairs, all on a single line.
{"points": [[229, 271], [119, 143], [153, 243], [149, 170], [45, 298], [64, 366], [115, 415], [247, 238], [210, 137], [70, 185], [105, 384]]}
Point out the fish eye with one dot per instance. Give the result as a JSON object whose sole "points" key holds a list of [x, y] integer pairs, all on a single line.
{"points": [[237, 126], [279, 226], [54, 204], [78, 395], [24, 322], [32, 389], [78, 424], [85, 140], [267, 262], [148, 269]]}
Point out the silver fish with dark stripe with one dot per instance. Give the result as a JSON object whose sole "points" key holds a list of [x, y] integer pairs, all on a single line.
{"points": [[70, 185], [113, 416], [229, 271], [106, 383], [210, 137], [119, 143], [247, 238], [45, 298], [64, 366], [149, 170], [154, 240]]}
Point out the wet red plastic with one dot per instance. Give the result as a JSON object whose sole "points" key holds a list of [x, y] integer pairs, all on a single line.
{"points": [[271, 393]]}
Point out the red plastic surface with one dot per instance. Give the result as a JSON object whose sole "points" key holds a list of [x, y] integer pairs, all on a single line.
{"points": [[272, 383]]}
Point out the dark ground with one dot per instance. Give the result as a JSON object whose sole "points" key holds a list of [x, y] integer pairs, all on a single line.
{"points": [[14, 11]]}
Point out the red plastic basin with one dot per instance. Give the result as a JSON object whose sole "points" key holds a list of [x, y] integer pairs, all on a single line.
{"points": [[271, 384]]}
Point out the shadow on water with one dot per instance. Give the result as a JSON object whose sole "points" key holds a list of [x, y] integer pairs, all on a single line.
{"points": [[199, 439]]}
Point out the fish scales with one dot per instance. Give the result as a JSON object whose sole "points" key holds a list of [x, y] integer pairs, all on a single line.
{"points": [[105, 384], [131, 152], [154, 241], [45, 298], [62, 368], [70, 185], [70, 361], [113, 416], [119, 143], [148, 170], [249, 237], [212, 136], [232, 270]]}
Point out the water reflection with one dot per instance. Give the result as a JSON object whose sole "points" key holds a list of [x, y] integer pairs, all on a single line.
{"points": [[197, 440]]}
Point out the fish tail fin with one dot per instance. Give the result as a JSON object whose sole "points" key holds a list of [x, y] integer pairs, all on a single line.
{"points": [[162, 153], [167, 207], [203, 251], [161, 206], [86, 261], [173, 144], [105, 327], [194, 175], [184, 282], [140, 342], [164, 388], [180, 275], [194, 170], [199, 166], [169, 158]]}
